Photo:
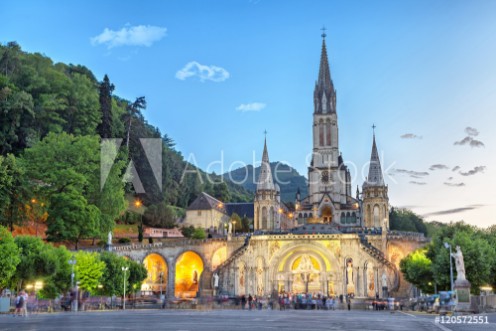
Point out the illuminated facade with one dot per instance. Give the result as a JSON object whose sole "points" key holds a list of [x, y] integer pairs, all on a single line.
{"points": [[340, 245]]}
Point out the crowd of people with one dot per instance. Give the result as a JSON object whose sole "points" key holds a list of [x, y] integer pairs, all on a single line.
{"points": [[290, 301]]}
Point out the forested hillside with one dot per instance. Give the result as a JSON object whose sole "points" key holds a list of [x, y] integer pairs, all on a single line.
{"points": [[53, 119], [287, 177]]}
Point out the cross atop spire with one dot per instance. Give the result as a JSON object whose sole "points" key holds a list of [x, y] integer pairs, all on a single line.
{"points": [[323, 32], [373, 129]]}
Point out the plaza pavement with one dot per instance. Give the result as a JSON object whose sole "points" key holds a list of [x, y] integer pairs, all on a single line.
{"points": [[239, 320]]}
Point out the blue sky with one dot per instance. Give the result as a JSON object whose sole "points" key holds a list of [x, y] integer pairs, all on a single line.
{"points": [[411, 67]]}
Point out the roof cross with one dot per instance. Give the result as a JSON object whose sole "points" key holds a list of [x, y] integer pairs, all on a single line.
{"points": [[323, 32]]}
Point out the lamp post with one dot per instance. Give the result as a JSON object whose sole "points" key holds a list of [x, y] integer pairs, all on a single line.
{"points": [[451, 264], [124, 269], [72, 262], [234, 228]]}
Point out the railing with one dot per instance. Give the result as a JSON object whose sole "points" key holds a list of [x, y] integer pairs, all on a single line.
{"points": [[379, 255]]}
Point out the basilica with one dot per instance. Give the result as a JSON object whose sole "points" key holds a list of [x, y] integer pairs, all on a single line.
{"points": [[332, 243]]}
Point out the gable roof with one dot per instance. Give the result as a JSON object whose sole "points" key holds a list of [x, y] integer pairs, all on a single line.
{"points": [[207, 202]]}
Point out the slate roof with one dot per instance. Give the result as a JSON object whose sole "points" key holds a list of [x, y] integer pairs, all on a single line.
{"points": [[207, 202], [240, 208]]}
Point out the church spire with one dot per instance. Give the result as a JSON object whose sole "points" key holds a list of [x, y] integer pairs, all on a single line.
{"points": [[375, 172], [265, 181], [324, 93], [324, 71]]}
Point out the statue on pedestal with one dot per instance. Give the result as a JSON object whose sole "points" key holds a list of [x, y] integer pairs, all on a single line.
{"points": [[109, 238], [216, 280], [459, 264]]}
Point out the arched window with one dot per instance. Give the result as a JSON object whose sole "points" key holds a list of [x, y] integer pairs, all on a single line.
{"points": [[321, 134], [348, 218], [328, 133], [305, 215], [353, 218], [377, 220], [343, 218], [264, 218]]}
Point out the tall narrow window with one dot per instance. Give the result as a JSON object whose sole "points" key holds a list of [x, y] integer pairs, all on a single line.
{"points": [[328, 133], [321, 134]]}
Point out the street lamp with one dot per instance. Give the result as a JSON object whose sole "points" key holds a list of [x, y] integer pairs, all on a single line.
{"points": [[72, 262], [124, 269], [451, 264], [234, 227]]}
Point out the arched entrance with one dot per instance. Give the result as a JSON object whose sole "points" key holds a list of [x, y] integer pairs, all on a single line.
{"points": [[156, 280], [189, 267], [327, 214], [305, 272], [304, 269]]}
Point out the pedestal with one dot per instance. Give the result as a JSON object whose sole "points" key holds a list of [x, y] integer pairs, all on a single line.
{"points": [[462, 288]]}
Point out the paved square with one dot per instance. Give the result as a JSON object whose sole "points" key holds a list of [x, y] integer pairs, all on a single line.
{"points": [[230, 320]]}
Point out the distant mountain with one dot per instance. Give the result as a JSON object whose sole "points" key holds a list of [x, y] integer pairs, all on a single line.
{"points": [[287, 177]]}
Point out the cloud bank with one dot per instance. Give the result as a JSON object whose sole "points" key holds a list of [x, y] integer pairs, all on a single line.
{"points": [[203, 72], [417, 183], [414, 174], [476, 170], [140, 35], [454, 184], [453, 211], [469, 140], [438, 167]]}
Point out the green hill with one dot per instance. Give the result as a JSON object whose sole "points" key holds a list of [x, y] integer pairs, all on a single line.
{"points": [[39, 97], [287, 177]]}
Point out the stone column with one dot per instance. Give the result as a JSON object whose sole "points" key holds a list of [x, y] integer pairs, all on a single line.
{"points": [[171, 277], [357, 282]]}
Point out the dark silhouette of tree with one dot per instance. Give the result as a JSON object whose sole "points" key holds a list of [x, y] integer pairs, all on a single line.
{"points": [[134, 110], [104, 129]]}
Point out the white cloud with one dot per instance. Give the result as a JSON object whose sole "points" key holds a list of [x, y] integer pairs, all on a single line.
{"points": [[203, 72], [254, 106], [410, 136], [140, 35]]}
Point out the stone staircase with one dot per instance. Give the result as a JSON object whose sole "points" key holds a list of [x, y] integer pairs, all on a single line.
{"points": [[235, 255], [379, 256], [220, 270]]}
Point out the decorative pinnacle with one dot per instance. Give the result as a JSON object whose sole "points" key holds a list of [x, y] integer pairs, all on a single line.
{"points": [[373, 129], [323, 32]]}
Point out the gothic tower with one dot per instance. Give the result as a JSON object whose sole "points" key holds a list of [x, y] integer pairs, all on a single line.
{"points": [[375, 194], [266, 197], [329, 178]]}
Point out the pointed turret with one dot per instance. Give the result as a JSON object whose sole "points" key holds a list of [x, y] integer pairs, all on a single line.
{"points": [[324, 94], [375, 177], [265, 181]]}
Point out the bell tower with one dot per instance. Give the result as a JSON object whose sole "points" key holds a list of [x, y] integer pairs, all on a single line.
{"points": [[375, 193]]}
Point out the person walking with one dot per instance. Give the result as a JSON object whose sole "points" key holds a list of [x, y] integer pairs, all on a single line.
{"points": [[250, 299], [18, 304], [349, 302], [24, 307], [243, 301]]}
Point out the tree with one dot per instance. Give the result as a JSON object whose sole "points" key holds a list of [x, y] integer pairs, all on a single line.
{"points": [[36, 261], [479, 255], [104, 129], [113, 277], [13, 191], [70, 217], [137, 274], [188, 231], [59, 280], [417, 269], [134, 110], [84, 200], [160, 215], [245, 221], [406, 220], [199, 233], [238, 226], [89, 270], [9, 258], [221, 192]]}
